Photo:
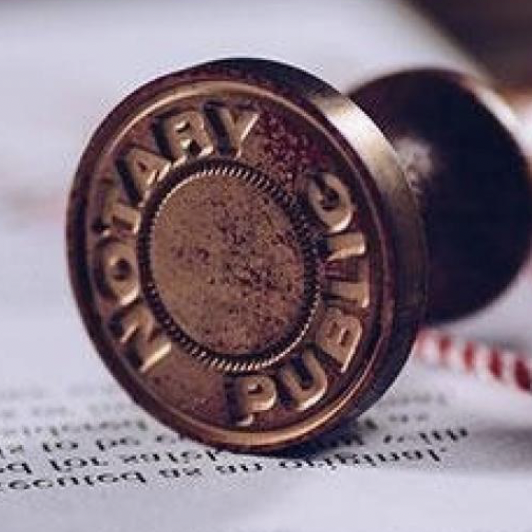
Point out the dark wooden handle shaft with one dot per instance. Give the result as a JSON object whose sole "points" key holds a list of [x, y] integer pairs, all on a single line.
{"points": [[469, 175]]}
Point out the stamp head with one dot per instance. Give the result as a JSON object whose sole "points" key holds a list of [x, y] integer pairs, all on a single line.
{"points": [[234, 235]]}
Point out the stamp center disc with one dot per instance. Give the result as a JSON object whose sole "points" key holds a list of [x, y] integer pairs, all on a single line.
{"points": [[229, 266]]}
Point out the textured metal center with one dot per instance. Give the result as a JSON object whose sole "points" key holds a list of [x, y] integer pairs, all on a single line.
{"points": [[228, 259]]}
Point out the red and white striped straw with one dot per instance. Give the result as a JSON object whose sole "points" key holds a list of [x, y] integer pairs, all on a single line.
{"points": [[488, 363]]}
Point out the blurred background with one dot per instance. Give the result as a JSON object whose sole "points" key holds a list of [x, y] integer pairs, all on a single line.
{"points": [[497, 34], [64, 65]]}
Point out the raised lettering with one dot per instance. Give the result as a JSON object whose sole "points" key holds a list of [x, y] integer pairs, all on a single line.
{"points": [[331, 201], [145, 168], [253, 394], [187, 136], [338, 335], [303, 391], [346, 245], [358, 291], [236, 130], [116, 271], [146, 344], [120, 216]]}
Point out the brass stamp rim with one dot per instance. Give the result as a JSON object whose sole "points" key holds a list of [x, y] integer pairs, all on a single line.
{"points": [[363, 151]]}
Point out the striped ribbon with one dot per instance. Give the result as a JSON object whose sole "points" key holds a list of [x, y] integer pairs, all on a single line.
{"points": [[488, 363]]}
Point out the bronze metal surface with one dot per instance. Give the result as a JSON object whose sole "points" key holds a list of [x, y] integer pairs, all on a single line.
{"points": [[237, 236], [253, 259]]}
